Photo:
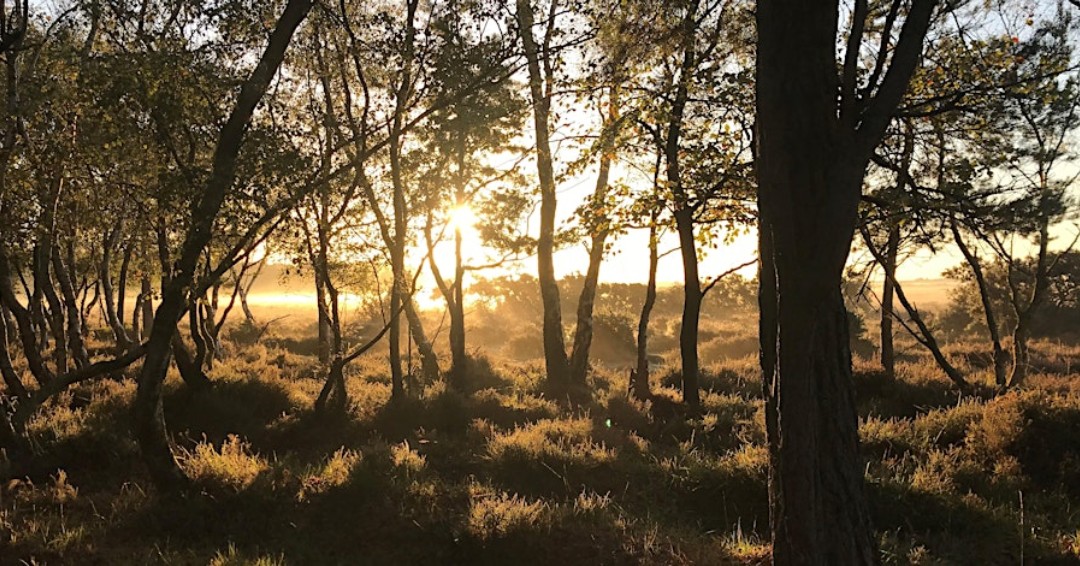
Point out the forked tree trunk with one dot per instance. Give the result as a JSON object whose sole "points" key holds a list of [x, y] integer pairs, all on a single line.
{"points": [[150, 429], [429, 362], [74, 328], [1027, 306], [112, 316]]}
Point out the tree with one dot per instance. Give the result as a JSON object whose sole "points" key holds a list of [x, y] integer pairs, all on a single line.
{"points": [[150, 428], [541, 64], [813, 147]]}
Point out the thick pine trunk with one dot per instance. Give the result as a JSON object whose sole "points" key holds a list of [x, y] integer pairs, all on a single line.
{"points": [[810, 174]]}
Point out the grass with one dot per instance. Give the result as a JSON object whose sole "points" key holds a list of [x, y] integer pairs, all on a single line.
{"points": [[504, 474]]}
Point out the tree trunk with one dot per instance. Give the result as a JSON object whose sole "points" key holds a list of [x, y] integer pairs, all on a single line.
{"points": [[639, 379], [810, 175], [583, 332], [397, 250], [28, 337], [922, 332], [112, 317], [1000, 358], [150, 430], [10, 377], [429, 362], [888, 352], [187, 365], [1025, 312], [459, 360], [147, 298], [43, 287], [121, 295], [691, 314], [555, 360], [74, 315]]}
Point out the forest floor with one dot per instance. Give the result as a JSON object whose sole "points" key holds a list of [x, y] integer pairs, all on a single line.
{"points": [[505, 475]]}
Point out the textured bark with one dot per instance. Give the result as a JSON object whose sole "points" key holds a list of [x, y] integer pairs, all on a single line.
{"points": [[810, 165], [555, 360], [150, 429]]}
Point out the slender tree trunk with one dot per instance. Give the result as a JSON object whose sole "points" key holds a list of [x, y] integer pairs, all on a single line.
{"points": [[583, 332], [691, 314], [195, 329], [888, 352], [397, 250], [639, 379], [324, 346], [74, 315], [122, 284], [112, 317], [1025, 311], [28, 336], [456, 306], [150, 429], [43, 287], [1000, 357], [555, 360], [147, 298], [924, 335], [429, 362], [10, 377]]}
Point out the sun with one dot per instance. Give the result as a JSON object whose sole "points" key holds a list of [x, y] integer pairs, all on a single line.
{"points": [[463, 218]]}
